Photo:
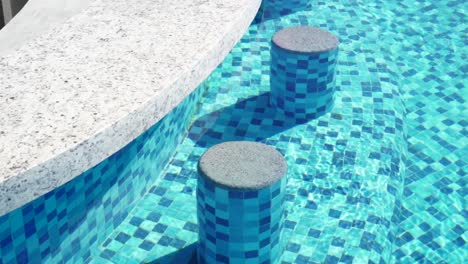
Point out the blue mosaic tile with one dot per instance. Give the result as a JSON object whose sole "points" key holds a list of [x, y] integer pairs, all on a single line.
{"points": [[66, 224], [239, 226], [379, 179], [333, 182], [302, 84], [435, 100]]}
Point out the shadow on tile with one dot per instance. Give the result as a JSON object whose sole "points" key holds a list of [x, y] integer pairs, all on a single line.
{"points": [[251, 119], [269, 9], [186, 255]]}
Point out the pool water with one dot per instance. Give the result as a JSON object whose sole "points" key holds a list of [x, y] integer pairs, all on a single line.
{"points": [[377, 180]]}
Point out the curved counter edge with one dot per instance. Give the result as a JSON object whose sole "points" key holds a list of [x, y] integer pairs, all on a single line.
{"points": [[38, 179]]}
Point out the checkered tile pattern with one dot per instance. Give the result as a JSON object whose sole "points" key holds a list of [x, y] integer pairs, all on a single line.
{"points": [[433, 224], [64, 225], [302, 84], [238, 226], [374, 181], [340, 196]]}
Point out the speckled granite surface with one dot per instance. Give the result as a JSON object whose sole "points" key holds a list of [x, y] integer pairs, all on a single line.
{"points": [[242, 165], [83, 90], [305, 39], [35, 18]]}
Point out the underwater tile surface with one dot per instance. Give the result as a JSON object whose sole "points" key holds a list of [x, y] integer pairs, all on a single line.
{"points": [[432, 59], [380, 179]]}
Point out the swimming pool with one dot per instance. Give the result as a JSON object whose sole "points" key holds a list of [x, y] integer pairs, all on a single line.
{"points": [[377, 180]]}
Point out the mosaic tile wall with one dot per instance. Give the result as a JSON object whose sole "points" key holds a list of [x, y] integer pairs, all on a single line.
{"points": [[65, 224], [303, 85], [238, 226]]}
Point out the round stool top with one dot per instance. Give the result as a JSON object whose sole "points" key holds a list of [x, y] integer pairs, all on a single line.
{"points": [[305, 39], [242, 165]]}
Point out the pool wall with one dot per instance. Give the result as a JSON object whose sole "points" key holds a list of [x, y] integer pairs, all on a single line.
{"points": [[68, 222]]}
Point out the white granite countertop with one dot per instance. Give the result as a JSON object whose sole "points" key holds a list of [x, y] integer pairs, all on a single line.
{"points": [[86, 87], [35, 18]]}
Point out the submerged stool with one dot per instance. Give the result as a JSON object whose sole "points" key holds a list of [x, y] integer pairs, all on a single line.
{"points": [[240, 194], [302, 68]]}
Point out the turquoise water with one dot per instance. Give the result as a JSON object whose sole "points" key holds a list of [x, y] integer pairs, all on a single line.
{"points": [[379, 179]]}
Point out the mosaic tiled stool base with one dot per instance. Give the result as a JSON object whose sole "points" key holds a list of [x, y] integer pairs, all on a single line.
{"points": [[302, 69], [240, 197]]}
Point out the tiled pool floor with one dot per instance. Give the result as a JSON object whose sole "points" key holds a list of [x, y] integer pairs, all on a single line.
{"points": [[346, 172], [432, 58]]}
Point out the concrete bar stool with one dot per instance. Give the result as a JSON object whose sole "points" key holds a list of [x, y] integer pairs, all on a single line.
{"points": [[303, 63], [240, 194]]}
